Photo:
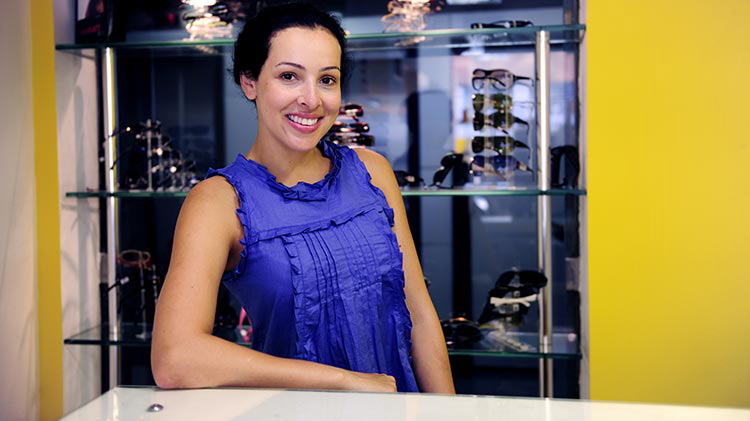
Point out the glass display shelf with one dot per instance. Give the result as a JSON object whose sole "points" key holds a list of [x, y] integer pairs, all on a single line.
{"points": [[463, 191], [432, 38], [520, 344]]}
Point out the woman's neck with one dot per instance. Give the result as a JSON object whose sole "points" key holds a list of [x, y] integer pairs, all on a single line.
{"points": [[288, 166]]}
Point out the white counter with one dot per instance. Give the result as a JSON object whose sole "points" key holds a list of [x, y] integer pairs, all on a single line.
{"points": [[124, 403]]}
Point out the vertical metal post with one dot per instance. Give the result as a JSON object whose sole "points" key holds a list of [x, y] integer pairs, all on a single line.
{"points": [[544, 217], [110, 153], [149, 165]]}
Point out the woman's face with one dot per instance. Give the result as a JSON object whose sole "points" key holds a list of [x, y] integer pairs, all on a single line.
{"points": [[298, 91]]}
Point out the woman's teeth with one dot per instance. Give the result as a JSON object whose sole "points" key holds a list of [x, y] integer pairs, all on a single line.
{"points": [[303, 121]]}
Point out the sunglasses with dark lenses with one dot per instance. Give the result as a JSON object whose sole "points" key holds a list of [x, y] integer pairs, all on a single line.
{"points": [[498, 78], [502, 24], [498, 101], [529, 278], [351, 110], [460, 331], [360, 139], [500, 144], [518, 288], [447, 163], [404, 179], [496, 164], [355, 127], [499, 119]]}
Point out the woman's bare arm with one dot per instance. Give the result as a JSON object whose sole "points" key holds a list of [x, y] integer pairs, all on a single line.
{"points": [[428, 343], [184, 354]]}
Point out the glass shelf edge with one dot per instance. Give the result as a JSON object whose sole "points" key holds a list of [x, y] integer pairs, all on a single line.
{"points": [[350, 37], [514, 354], [451, 352], [421, 193]]}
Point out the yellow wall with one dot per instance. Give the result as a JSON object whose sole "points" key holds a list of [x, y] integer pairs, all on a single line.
{"points": [[47, 209], [669, 200]]}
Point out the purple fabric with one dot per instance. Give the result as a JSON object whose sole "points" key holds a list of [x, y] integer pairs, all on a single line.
{"points": [[321, 273]]}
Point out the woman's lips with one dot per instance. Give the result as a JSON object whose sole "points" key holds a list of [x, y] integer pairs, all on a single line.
{"points": [[302, 122]]}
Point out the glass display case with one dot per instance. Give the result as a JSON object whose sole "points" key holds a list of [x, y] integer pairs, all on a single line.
{"points": [[496, 182]]}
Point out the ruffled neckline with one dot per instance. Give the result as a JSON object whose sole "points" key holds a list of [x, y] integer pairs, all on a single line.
{"points": [[304, 191]]}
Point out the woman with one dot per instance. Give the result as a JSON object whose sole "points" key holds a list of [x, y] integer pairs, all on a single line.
{"points": [[311, 237]]}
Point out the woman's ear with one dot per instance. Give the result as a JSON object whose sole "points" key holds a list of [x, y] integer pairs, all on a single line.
{"points": [[248, 86]]}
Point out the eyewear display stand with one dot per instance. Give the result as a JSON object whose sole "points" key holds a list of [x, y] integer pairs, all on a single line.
{"points": [[112, 335]]}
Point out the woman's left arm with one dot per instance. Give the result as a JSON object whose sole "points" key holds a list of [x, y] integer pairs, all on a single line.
{"points": [[428, 343]]}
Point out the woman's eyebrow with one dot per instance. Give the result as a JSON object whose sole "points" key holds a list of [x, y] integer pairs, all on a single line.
{"points": [[301, 67]]}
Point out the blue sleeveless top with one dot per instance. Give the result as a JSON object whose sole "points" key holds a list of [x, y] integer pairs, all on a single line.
{"points": [[321, 274]]}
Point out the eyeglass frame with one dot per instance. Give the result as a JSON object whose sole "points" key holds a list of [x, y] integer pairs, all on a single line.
{"points": [[479, 143], [488, 74], [480, 120], [504, 101]]}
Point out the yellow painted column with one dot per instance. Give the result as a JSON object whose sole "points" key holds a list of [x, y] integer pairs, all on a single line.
{"points": [[47, 209], [669, 200]]}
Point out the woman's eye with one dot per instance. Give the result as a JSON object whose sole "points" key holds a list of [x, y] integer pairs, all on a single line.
{"points": [[287, 76], [328, 80]]}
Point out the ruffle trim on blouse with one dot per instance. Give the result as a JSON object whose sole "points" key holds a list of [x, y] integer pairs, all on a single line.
{"points": [[323, 224], [368, 179], [244, 220], [303, 191]]}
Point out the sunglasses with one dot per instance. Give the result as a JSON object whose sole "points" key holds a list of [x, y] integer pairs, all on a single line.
{"points": [[499, 144], [354, 127], [404, 179], [502, 24], [499, 101], [447, 163], [460, 331], [360, 139], [496, 163], [351, 110], [499, 119], [512, 296], [498, 78]]}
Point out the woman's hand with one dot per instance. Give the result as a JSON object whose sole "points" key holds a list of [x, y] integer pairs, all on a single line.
{"points": [[369, 382]]}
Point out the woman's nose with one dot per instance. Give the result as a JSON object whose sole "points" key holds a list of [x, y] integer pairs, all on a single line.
{"points": [[309, 97]]}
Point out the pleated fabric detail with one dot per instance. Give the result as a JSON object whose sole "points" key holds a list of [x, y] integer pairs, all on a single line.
{"points": [[321, 274]]}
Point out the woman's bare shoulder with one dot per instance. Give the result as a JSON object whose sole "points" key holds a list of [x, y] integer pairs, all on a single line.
{"points": [[379, 168]]}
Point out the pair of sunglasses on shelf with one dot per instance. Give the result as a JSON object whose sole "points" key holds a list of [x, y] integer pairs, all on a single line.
{"points": [[359, 139], [500, 119], [496, 164], [512, 296], [502, 24], [499, 144], [406, 179], [451, 161], [354, 127], [497, 78], [498, 101], [351, 110], [460, 331]]}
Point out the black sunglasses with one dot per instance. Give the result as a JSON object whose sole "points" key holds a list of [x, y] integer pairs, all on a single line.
{"points": [[512, 295], [500, 144], [502, 24], [447, 163], [496, 164], [499, 119], [404, 179], [460, 331], [498, 101], [498, 78], [351, 110], [360, 139], [354, 127]]}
